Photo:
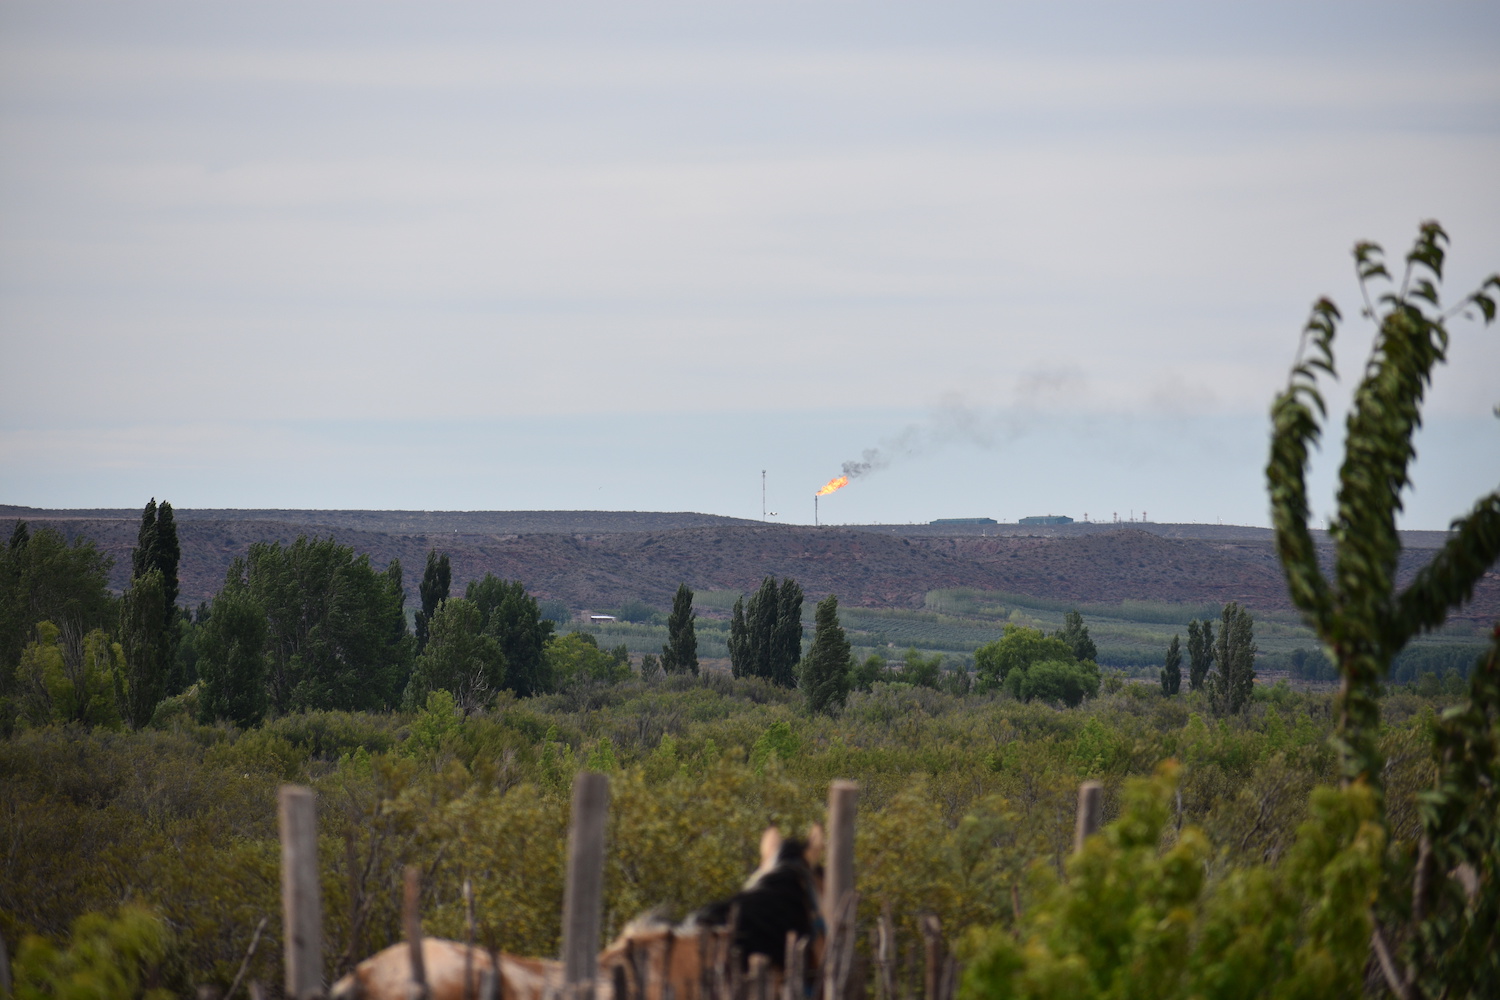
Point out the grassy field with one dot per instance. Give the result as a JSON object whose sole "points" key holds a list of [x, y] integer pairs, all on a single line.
{"points": [[1131, 636]]}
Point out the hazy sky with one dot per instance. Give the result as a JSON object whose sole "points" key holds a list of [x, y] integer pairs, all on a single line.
{"points": [[1048, 257]]}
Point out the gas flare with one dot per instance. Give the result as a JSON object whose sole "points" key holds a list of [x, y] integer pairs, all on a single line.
{"points": [[836, 483]]}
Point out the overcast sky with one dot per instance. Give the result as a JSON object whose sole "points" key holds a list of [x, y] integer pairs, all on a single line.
{"points": [[1043, 257]]}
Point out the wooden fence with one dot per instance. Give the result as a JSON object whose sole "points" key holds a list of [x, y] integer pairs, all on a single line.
{"points": [[845, 974]]}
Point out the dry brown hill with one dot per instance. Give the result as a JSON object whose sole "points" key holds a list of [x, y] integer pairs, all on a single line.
{"points": [[593, 559]]}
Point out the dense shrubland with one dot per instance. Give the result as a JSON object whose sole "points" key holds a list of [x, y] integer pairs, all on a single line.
{"points": [[959, 795]]}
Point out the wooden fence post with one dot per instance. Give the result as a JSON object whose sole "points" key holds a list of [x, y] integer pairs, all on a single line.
{"points": [[839, 877], [411, 923], [301, 902], [1090, 810], [583, 894], [843, 797]]}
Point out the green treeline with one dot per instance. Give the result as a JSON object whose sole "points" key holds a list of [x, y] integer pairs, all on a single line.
{"points": [[765, 635]]}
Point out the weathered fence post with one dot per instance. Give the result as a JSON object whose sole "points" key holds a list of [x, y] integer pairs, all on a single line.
{"points": [[583, 894], [301, 902], [1090, 809], [759, 977], [411, 923], [843, 797], [469, 990], [795, 967]]}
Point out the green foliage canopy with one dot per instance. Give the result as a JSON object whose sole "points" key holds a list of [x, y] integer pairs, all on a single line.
{"points": [[1200, 652], [437, 580], [1171, 672], [576, 658], [70, 682], [1017, 649], [680, 654], [232, 657], [43, 577], [1076, 634], [825, 674], [765, 635], [514, 619], [335, 634], [1229, 686], [460, 658]]}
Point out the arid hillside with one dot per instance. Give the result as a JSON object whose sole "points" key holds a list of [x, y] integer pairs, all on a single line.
{"points": [[601, 559]]}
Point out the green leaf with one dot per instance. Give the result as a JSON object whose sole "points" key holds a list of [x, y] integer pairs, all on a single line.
{"points": [[1486, 305]]}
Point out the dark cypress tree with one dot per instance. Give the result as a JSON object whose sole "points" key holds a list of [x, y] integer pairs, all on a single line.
{"points": [[151, 670], [1076, 634], [786, 641], [514, 618], [739, 640], [765, 634], [1230, 687], [142, 558], [760, 619], [1200, 652], [19, 536], [436, 580], [1171, 674], [143, 638], [396, 584], [680, 654], [825, 673], [166, 555]]}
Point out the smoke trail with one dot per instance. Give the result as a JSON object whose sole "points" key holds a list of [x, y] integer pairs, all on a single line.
{"points": [[954, 421]]}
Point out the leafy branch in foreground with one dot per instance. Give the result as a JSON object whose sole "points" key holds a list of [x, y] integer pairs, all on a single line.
{"points": [[1358, 612], [1440, 937]]}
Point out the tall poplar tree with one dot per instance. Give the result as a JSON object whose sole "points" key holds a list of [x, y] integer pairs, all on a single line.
{"points": [[761, 616], [436, 580], [145, 541], [825, 673], [143, 636], [150, 644], [1171, 674], [680, 654], [786, 641], [1200, 652], [1230, 687], [156, 547], [765, 634], [739, 640]]}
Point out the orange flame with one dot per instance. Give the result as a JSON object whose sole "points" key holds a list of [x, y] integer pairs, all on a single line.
{"points": [[836, 483]]}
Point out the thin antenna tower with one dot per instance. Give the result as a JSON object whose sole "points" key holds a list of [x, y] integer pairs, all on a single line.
{"points": [[762, 494]]}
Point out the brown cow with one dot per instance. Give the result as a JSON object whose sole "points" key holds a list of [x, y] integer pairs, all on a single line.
{"points": [[779, 897], [386, 975]]}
